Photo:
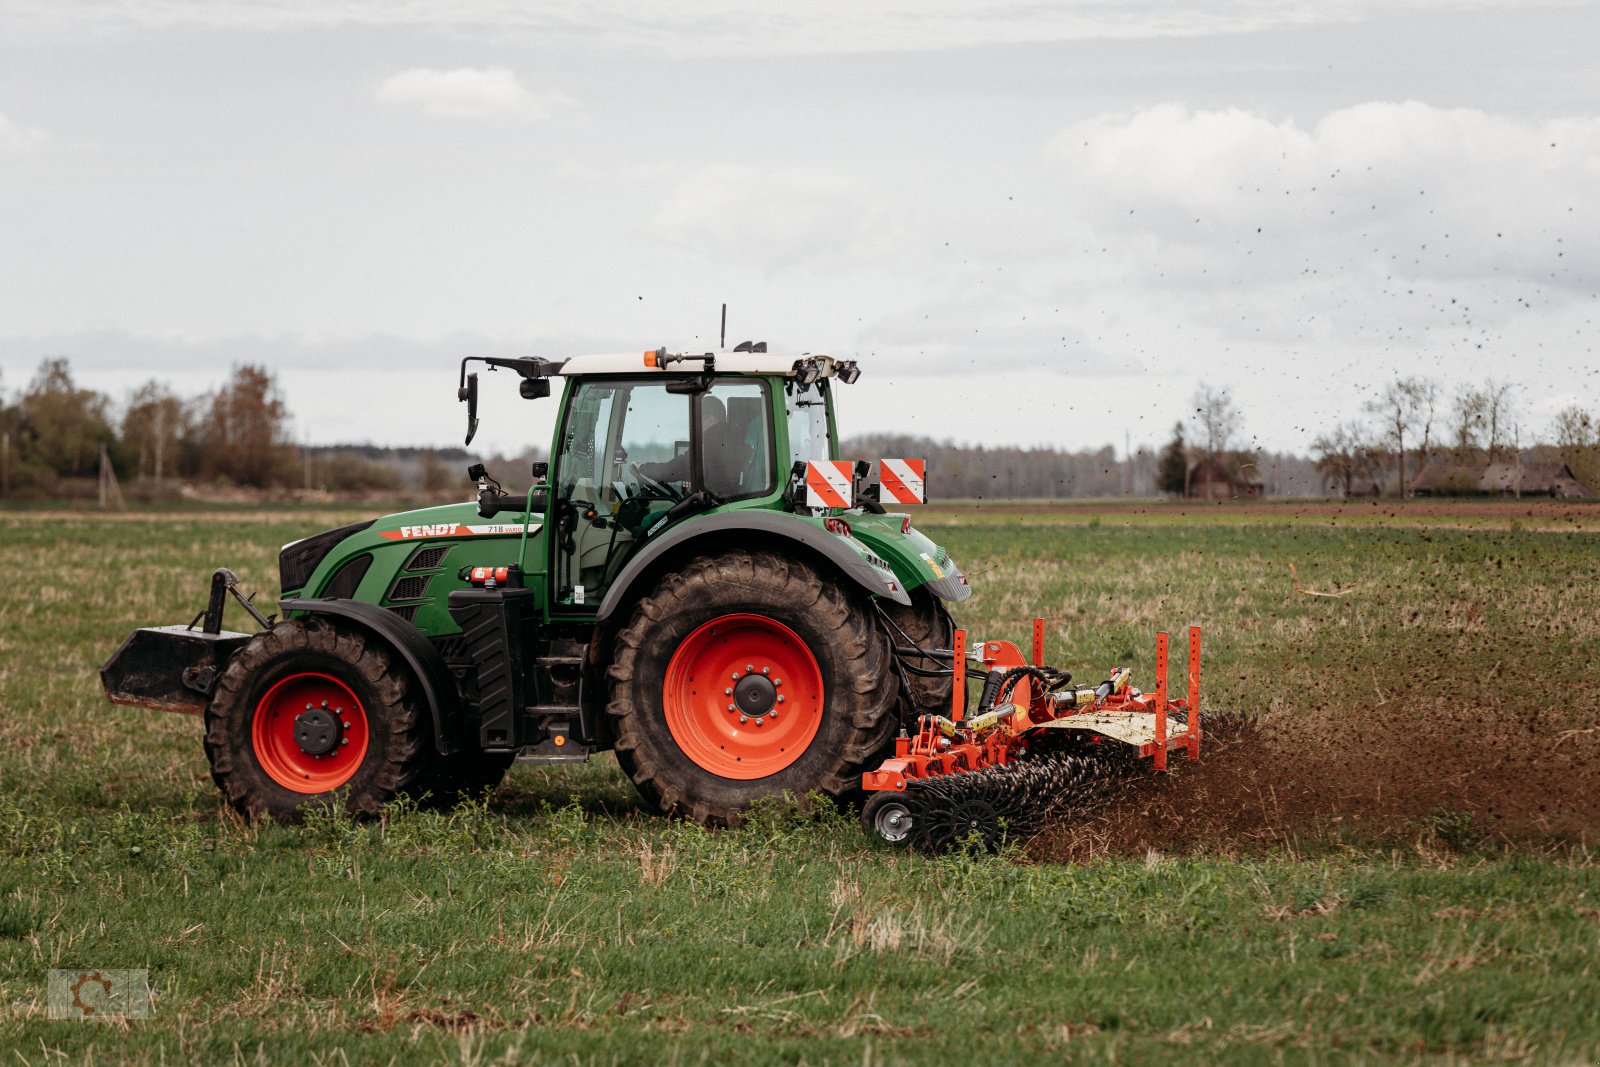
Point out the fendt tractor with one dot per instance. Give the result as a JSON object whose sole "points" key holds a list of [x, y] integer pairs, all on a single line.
{"points": [[695, 581]]}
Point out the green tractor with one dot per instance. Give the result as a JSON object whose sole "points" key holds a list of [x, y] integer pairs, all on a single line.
{"points": [[667, 588]]}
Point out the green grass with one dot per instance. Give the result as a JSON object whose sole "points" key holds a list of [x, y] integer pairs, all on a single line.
{"points": [[559, 922]]}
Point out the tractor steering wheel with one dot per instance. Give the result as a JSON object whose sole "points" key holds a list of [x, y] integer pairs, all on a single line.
{"points": [[664, 490]]}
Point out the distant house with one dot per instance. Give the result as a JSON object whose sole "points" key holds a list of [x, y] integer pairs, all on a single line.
{"points": [[1499, 479], [1211, 480]]}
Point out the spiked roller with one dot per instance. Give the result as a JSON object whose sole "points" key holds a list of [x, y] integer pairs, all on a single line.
{"points": [[1036, 749]]}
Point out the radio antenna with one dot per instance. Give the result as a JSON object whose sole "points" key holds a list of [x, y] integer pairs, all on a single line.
{"points": [[722, 340]]}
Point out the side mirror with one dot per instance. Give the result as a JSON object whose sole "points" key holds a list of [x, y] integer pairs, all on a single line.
{"points": [[541, 470], [534, 388], [469, 394]]}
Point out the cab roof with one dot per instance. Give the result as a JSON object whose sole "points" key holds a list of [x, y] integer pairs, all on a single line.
{"points": [[725, 361]]}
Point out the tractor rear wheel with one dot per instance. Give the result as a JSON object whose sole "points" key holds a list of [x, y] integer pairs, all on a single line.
{"points": [[309, 715], [747, 675]]}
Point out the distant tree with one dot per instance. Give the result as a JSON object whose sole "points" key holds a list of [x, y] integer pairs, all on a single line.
{"points": [[1343, 456], [1172, 470], [434, 476], [1482, 420], [1405, 404], [61, 426], [152, 428], [1577, 435], [1217, 418], [243, 432], [1500, 411], [1425, 395]]}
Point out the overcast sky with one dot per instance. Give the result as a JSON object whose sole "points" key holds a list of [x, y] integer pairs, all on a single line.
{"points": [[1032, 223]]}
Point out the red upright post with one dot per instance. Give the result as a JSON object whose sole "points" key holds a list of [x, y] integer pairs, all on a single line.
{"points": [[1161, 701], [1038, 642], [1194, 692], [958, 683]]}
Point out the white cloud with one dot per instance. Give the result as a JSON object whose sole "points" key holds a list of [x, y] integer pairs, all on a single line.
{"points": [[19, 140], [468, 93], [1396, 190], [778, 218]]}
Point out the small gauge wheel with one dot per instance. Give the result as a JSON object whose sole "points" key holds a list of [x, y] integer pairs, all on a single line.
{"points": [[888, 816]]}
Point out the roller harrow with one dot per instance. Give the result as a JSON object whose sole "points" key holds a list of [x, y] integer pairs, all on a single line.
{"points": [[1036, 747]]}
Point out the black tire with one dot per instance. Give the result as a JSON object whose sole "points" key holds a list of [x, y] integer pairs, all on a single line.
{"points": [[466, 775], [890, 817], [398, 738], [854, 715], [930, 626]]}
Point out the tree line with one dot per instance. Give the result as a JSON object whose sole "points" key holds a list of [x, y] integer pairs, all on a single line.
{"points": [[1414, 432], [56, 435]]}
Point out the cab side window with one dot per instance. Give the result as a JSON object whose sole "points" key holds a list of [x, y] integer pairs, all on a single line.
{"points": [[736, 439]]}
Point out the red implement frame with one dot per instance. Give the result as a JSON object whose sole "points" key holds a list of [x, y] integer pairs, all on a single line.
{"points": [[947, 746]]}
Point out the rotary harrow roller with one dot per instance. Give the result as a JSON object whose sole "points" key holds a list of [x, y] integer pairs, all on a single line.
{"points": [[1035, 749]]}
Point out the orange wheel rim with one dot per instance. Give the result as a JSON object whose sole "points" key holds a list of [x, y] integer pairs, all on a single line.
{"points": [[310, 733], [743, 696]]}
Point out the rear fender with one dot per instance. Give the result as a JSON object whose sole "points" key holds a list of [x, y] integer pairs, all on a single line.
{"points": [[407, 642], [741, 528]]}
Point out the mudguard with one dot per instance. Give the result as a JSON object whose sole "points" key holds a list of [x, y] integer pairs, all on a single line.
{"points": [[438, 688], [850, 558]]}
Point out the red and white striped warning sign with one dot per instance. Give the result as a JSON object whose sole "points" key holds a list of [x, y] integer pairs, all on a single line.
{"points": [[902, 480], [828, 483]]}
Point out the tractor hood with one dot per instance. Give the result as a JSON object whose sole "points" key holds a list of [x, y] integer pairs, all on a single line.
{"points": [[447, 521], [310, 564]]}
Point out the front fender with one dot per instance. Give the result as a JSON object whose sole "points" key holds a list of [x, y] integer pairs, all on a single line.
{"points": [[424, 661]]}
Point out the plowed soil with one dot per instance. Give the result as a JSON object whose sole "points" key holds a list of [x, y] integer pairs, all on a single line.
{"points": [[1371, 774]]}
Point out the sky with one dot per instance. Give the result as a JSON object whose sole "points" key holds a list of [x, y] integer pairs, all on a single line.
{"points": [[1033, 224]]}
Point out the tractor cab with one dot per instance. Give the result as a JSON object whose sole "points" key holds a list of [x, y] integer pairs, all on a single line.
{"points": [[644, 442]]}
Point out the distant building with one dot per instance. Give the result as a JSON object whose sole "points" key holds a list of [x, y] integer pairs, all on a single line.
{"points": [[1499, 479], [1211, 480]]}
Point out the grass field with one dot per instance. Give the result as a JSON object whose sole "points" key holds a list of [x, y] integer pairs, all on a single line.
{"points": [[1395, 866]]}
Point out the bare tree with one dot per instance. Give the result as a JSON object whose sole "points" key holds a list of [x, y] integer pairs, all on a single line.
{"points": [[1482, 419], [1500, 410], [1404, 404], [1218, 418], [1577, 435], [1469, 417], [1343, 456], [1425, 393], [153, 425]]}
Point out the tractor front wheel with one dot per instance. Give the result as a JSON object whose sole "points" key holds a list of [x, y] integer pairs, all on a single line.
{"points": [[747, 675], [311, 715]]}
